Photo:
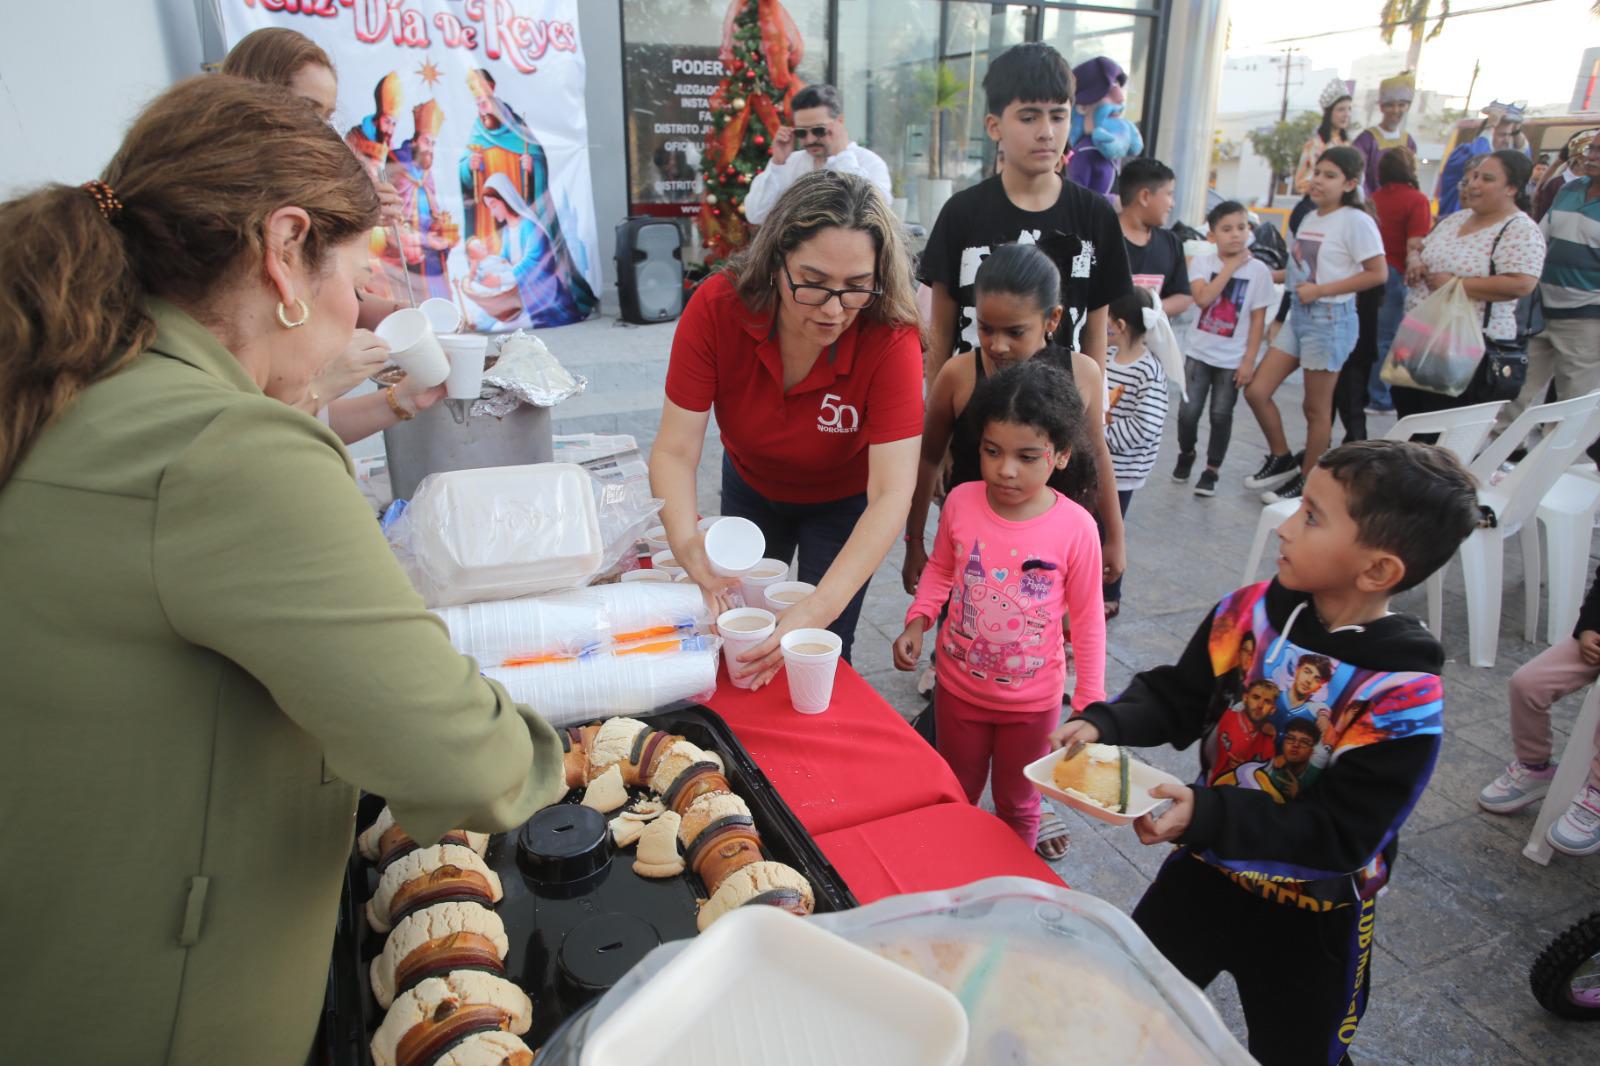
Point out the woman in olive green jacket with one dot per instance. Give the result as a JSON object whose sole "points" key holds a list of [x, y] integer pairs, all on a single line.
{"points": [[205, 644]]}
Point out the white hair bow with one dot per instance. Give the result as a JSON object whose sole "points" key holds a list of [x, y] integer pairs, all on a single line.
{"points": [[1160, 339]]}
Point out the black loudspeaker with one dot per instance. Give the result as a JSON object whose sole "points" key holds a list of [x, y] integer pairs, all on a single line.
{"points": [[649, 270]]}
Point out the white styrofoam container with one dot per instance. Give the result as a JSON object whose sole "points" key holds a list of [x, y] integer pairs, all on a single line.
{"points": [[506, 531], [764, 986], [1142, 777]]}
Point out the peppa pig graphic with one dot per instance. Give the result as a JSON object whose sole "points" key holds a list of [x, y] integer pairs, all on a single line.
{"points": [[1005, 646]]}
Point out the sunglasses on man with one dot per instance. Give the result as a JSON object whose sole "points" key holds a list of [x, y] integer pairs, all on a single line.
{"points": [[815, 133]]}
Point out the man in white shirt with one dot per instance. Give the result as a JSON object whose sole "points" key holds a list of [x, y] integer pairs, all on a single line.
{"points": [[820, 134]]}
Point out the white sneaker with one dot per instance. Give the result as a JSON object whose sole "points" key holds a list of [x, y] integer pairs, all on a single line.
{"points": [[1577, 832], [1516, 788]]}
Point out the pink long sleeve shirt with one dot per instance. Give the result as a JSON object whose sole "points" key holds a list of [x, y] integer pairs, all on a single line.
{"points": [[1009, 583]]}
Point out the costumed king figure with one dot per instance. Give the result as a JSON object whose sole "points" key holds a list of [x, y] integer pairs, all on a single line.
{"points": [[1101, 138]]}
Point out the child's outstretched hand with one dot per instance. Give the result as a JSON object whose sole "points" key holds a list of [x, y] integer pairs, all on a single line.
{"points": [[908, 646], [1173, 821], [1072, 732]]}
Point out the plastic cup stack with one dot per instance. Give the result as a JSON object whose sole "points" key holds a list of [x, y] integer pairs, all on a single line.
{"points": [[782, 595], [811, 658], [742, 629], [755, 581], [414, 347]]}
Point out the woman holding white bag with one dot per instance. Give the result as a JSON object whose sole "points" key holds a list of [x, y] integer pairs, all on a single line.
{"points": [[1493, 247]]}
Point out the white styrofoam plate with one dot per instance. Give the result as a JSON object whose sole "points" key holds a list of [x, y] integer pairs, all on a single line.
{"points": [[1141, 779], [763, 986]]}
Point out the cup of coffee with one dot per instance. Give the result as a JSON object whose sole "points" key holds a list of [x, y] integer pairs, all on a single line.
{"points": [[742, 629], [656, 538], [414, 347], [782, 595], [811, 658], [466, 352], [668, 565], [734, 545], [645, 575], [443, 315], [754, 582]]}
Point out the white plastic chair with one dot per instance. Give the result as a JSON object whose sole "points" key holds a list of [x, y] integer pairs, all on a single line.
{"points": [[1461, 431], [1571, 775], [1567, 514], [1569, 426]]}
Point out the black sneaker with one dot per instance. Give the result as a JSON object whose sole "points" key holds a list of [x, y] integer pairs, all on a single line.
{"points": [[1275, 470], [1290, 490], [1185, 465], [1207, 485]]}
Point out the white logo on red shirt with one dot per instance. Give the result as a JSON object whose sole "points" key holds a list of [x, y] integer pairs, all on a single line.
{"points": [[837, 417]]}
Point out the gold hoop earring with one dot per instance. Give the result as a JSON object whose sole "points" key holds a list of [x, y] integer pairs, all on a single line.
{"points": [[283, 316]]}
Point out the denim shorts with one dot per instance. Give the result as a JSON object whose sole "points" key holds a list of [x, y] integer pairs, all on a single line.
{"points": [[1321, 335]]}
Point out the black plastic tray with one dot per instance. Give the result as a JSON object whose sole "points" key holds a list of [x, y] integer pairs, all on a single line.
{"points": [[538, 918]]}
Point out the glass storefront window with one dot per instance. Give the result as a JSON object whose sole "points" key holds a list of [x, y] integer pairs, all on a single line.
{"points": [[670, 69], [1082, 35], [887, 52], [975, 33]]}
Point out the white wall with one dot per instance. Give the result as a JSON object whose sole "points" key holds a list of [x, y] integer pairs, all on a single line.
{"points": [[73, 75]]}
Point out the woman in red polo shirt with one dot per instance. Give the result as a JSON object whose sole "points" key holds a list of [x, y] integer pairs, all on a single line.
{"points": [[807, 347]]}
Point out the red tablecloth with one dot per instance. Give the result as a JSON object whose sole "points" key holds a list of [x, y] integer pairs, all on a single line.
{"points": [[856, 762], [939, 847]]}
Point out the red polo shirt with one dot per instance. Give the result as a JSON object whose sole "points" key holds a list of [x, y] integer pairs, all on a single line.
{"points": [[809, 445]]}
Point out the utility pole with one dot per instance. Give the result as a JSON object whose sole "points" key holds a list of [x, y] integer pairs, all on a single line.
{"points": [[1471, 85], [1288, 67]]}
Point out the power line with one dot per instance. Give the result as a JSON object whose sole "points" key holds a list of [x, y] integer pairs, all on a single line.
{"points": [[1386, 25]]}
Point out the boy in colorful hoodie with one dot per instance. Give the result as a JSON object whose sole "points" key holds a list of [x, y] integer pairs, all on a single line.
{"points": [[1302, 864]]}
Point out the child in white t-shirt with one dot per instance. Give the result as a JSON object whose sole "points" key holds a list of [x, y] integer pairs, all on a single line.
{"points": [[1233, 290], [1337, 252]]}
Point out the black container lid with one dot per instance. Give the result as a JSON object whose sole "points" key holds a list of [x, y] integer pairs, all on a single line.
{"points": [[564, 843], [595, 954]]}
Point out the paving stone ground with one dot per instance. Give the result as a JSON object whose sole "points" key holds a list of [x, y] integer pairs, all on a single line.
{"points": [[1465, 914]]}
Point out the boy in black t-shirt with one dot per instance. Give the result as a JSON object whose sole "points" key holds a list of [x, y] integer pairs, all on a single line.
{"points": [[1029, 90], [1155, 255]]}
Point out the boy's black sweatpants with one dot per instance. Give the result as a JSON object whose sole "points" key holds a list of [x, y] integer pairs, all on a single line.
{"points": [[1303, 975]]}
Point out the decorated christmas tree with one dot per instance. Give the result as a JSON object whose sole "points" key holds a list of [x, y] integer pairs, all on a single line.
{"points": [[761, 50]]}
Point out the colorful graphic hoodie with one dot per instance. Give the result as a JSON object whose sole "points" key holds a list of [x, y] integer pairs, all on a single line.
{"points": [[1315, 743]]}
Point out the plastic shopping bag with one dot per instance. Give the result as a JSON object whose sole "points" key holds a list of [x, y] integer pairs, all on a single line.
{"points": [[1438, 345]]}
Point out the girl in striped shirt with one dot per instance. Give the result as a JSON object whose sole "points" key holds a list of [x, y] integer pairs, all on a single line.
{"points": [[1136, 407]]}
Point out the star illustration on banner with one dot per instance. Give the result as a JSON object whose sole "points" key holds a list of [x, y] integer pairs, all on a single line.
{"points": [[429, 72]]}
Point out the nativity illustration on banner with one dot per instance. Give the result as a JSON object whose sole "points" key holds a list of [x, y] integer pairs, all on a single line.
{"points": [[435, 98]]}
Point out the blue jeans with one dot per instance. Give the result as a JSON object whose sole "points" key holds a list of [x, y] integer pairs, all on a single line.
{"points": [[819, 530], [1389, 316]]}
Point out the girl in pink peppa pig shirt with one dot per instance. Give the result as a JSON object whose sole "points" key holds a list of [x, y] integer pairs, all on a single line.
{"points": [[1012, 556]]}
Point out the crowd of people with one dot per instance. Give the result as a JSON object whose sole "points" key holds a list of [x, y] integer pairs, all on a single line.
{"points": [[168, 500], [1047, 359]]}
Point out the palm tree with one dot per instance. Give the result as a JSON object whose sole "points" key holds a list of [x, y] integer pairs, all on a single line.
{"points": [[1414, 15], [942, 91]]}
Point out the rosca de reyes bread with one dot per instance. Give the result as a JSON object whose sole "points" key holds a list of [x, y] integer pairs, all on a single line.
{"points": [[770, 883], [718, 836], [384, 841], [488, 1049], [437, 874], [1099, 774], [442, 1011], [435, 941]]}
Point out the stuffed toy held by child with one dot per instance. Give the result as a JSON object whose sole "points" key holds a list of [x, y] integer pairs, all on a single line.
{"points": [[1101, 137]]}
